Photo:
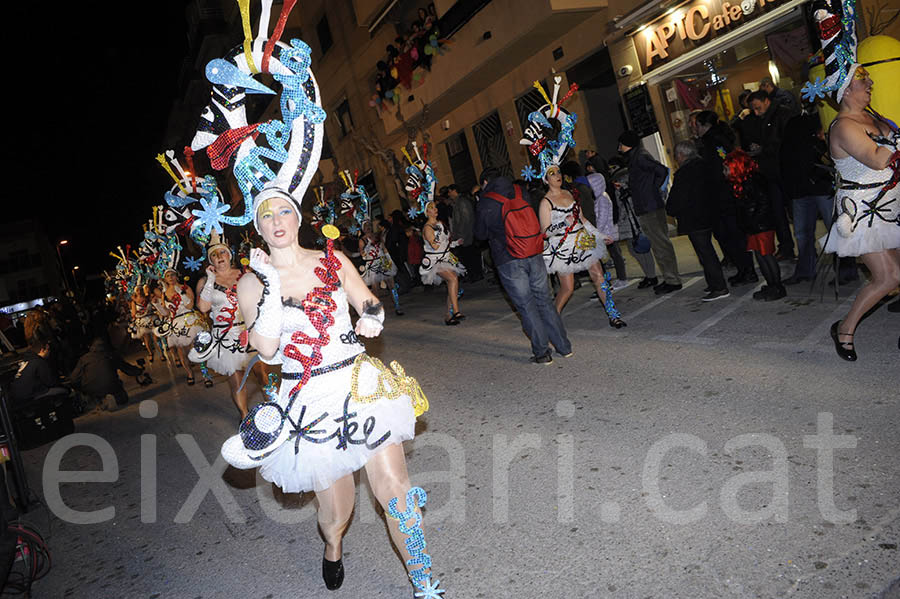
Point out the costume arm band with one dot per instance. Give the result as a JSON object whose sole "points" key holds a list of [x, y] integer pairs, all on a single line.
{"points": [[269, 311], [208, 287]]}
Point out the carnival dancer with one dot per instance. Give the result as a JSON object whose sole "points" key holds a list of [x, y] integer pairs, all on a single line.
{"points": [[439, 264], [221, 348], [337, 409], [142, 319], [184, 323], [572, 245], [159, 318], [377, 264], [866, 152]]}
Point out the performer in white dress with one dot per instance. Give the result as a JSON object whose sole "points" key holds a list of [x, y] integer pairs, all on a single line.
{"points": [[183, 322], [438, 264], [221, 348], [377, 264], [142, 319], [337, 409], [572, 245], [866, 152]]}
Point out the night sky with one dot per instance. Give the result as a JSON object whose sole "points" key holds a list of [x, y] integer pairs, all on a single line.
{"points": [[92, 85]]}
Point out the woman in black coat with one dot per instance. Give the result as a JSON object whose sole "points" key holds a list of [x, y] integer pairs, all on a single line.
{"points": [[755, 218]]}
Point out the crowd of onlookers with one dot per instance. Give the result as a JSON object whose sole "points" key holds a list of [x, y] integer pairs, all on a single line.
{"points": [[411, 50]]}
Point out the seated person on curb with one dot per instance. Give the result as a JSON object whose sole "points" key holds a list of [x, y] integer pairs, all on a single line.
{"points": [[36, 378]]}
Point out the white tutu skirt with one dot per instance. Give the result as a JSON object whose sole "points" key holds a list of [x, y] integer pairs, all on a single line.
{"points": [[432, 264], [224, 354], [141, 326], [863, 240], [185, 328], [580, 249], [378, 270], [343, 433]]}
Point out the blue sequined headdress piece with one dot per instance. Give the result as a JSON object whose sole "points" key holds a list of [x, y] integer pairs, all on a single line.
{"points": [[538, 134], [835, 23], [285, 164], [420, 181]]}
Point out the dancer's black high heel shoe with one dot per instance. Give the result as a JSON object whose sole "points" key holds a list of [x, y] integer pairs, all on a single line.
{"points": [[841, 347], [332, 574]]}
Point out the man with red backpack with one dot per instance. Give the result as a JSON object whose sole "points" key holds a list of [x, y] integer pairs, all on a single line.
{"points": [[510, 225]]}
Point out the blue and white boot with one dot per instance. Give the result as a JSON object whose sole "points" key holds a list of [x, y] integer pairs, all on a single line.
{"points": [[615, 318], [395, 293], [423, 585]]}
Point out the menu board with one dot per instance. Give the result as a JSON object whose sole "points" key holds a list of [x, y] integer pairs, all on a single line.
{"points": [[640, 110]]}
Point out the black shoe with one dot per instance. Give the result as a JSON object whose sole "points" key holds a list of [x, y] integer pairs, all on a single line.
{"points": [[782, 255], [761, 294], [794, 279], [399, 312], [894, 306], [716, 295], [617, 323], [648, 282], [743, 278], [546, 359], [451, 322], [332, 574], [666, 288], [775, 293], [844, 349]]}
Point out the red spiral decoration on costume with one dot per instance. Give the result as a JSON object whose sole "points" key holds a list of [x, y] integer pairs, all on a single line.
{"points": [[318, 306]]}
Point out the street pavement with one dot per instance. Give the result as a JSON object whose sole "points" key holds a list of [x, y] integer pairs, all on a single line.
{"points": [[685, 456]]}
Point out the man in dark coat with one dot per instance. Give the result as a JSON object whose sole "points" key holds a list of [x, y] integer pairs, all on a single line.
{"points": [[693, 202], [646, 177], [774, 118], [35, 377], [96, 375]]}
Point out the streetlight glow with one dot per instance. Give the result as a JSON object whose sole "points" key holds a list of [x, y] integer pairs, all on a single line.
{"points": [[63, 242]]}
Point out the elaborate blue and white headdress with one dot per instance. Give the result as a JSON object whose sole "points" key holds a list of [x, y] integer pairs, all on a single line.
{"points": [[835, 23], [549, 151]]}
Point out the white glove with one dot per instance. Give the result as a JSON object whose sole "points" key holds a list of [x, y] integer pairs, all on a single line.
{"points": [[269, 310], [209, 286], [371, 321]]}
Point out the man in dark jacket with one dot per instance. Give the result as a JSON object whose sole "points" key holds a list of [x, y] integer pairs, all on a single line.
{"points": [[646, 177], [809, 183], [462, 226], [780, 96], [95, 373], [693, 201], [35, 377], [524, 279], [774, 118]]}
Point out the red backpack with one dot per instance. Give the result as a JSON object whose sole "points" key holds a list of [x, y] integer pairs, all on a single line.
{"points": [[524, 237]]}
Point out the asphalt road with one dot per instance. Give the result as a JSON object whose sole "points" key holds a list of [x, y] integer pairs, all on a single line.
{"points": [[705, 451]]}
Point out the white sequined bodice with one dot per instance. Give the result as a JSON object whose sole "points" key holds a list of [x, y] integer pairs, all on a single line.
{"points": [[185, 304], [852, 169], [342, 344], [559, 219]]}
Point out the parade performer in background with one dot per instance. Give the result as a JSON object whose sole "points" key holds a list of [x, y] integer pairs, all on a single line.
{"points": [[572, 245], [377, 264], [866, 152], [439, 264], [221, 348], [184, 322], [142, 319]]}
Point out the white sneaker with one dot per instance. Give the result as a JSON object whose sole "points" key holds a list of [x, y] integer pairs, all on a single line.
{"points": [[621, 284]]}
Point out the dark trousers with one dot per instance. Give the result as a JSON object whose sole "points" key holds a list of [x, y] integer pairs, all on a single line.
{"points": [[733, 243], [618, 260], [470, 256], [709, 260], [780, 203]]}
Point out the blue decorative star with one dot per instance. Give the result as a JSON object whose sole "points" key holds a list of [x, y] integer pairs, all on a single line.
{"points": [[430, 590], [412, 213], [353, 229], [210, 218], [529, 174], [192, 264], [813, 90]]}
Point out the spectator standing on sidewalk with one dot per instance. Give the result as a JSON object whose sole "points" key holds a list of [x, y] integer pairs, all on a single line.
{"points": [[693, 202], [646, 177], [462, 226]]}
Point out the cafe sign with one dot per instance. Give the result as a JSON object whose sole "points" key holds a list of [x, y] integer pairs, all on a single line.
{"points": [[692, 25]]}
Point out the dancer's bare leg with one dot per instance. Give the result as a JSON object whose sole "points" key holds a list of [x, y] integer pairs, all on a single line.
{"points": [[148, 345], [452, 289], [885, 269], [388, 477], [335, 508], [566, 289], [185, 363], [238, 396], [596, 272]]}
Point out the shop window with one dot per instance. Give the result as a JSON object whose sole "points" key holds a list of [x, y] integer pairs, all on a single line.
{"points": [[324, 33]]}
